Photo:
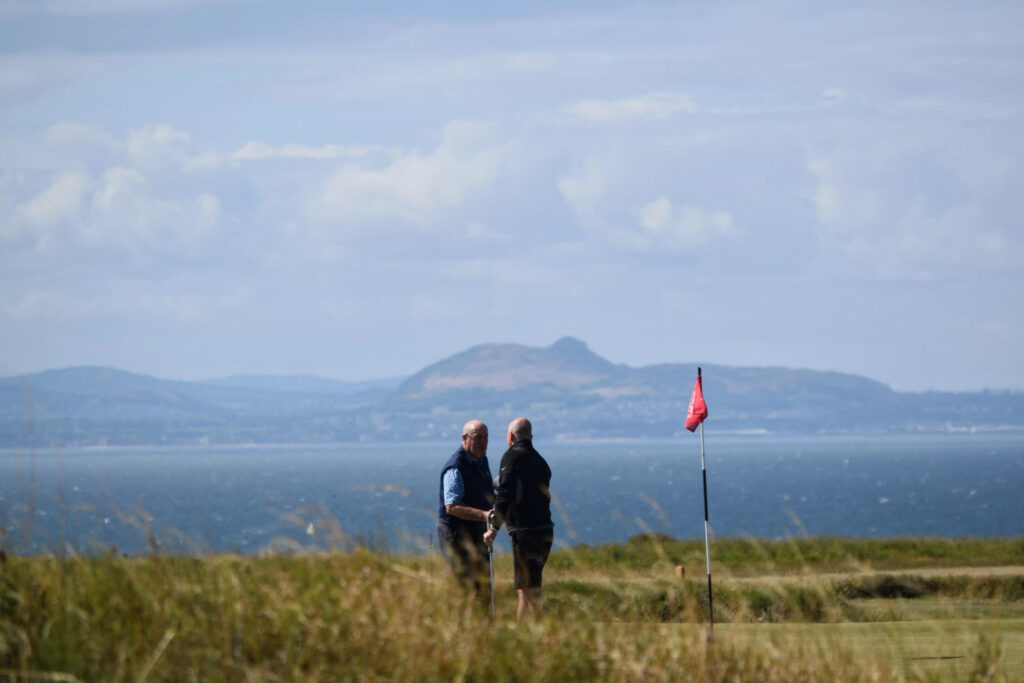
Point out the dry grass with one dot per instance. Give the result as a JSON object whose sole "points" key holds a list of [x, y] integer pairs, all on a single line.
{"points": [[366, 616]]}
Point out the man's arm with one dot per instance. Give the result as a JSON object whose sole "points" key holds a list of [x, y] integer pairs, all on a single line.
{"points": [[506, 487], [453, 492], [466, 512]]}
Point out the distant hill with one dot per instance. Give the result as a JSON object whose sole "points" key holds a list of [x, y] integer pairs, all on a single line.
{"points": [[567, 389], [582, 394], [570, 373], [97, 405], [566, 365], [307, 384]]}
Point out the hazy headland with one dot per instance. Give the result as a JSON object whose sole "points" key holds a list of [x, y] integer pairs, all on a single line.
{"points": [[566, 388]]}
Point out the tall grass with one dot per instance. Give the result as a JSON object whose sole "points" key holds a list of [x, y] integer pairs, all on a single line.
{"points": [[372, 616]]}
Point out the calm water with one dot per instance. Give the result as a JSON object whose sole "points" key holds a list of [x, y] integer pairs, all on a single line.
{"points": [[251, 499]]}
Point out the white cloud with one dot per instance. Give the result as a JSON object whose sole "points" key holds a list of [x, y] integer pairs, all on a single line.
{"points": [[139, 193], [62, 201], [530, 62], [24, 77], [157, 145], [151, 147], [70, 133], [586, 189], [481, 232], [415, 187], [842, 206], [900, 212], [597, 207], [179, 301], [120, 185], [259, 151], [510, 271], [604, 206], [831, 96], [63, 305], [644, 107], [433, 308], [94, 7], [683, 226], [129, 209]]}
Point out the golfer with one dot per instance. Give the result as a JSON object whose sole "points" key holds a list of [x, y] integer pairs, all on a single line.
{"points": [[466, 499], [523, 504]]}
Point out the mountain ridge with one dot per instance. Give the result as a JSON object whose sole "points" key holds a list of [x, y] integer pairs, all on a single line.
{"points": [[566, 387]]}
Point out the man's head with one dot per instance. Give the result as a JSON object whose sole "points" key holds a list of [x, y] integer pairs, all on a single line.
{"points": [[519, 429], [474, 438]]}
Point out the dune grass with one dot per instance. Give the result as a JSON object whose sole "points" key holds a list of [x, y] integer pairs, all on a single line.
{"points": [[613, 613]]}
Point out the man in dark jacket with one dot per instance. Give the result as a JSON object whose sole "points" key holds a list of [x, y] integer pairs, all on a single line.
{"points": [[523, 503], [465, 501]]}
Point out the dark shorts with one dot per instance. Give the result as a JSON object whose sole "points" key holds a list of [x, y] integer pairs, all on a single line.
{"points": [[530, 550]]}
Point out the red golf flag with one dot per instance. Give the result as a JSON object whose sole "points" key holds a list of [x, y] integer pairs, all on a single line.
{"points": [[698, 409]]}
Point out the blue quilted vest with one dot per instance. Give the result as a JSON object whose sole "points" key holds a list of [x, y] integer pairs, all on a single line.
{"points": [[478, 491]]}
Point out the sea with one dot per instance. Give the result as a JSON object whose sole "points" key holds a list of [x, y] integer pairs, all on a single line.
{"points": [[294, 498]]}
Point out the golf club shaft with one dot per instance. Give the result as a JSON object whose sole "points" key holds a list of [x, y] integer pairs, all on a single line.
{"points": [[490, 557]]}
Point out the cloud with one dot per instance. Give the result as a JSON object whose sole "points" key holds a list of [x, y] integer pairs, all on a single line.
{"points": [[24, 77], [645, 107], [833, 96], [179, 301], [684, 226], [531, 62], [841, 206], [97, 7], [157, 146], [73, 133], [433, 308], [261, 151], [136, 195], [514, 271], [583, 187], [151, 147], [905, 210], [606, 207], [415, 188], [127, 208], [62, 201]]}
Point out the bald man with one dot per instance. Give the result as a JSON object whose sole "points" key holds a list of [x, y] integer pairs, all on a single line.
{"points": [[466, 500], [523, 504]]}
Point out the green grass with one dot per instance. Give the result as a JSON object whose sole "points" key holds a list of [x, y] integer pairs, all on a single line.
{"points": [[943, 649], [754, 556], [784, 611]]}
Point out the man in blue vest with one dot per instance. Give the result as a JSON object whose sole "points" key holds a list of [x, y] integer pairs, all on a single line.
{"points": [[466, 501]]}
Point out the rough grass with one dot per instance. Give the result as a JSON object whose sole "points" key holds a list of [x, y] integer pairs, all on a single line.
{"points": [[756, 557], [371, 616]]}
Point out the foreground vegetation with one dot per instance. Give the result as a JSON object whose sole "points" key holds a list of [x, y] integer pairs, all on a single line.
{"points": [[802, 610]]}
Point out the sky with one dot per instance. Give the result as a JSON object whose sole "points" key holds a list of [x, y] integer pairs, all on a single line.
{"points": [[192, 189]]}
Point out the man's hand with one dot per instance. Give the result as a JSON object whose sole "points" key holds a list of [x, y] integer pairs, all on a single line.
{"points": [[489, 537]]}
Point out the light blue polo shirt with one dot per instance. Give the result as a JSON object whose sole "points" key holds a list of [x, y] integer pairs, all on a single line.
{"points": [[454, 489]]}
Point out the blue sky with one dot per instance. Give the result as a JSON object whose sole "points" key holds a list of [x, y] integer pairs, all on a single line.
{"points": [[194, 189]]}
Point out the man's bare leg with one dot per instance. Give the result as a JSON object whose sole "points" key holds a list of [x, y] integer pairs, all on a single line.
{"points": [[529, 602]]}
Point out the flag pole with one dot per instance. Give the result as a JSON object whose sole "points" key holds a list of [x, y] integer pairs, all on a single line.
{"points": [[707, 537]]}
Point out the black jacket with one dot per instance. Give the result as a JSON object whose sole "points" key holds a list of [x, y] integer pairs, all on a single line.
{"points": [[523, 500]]}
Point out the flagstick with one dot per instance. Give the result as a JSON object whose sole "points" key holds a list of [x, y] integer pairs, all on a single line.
{"points": [[707, 538], [707, 542]]}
